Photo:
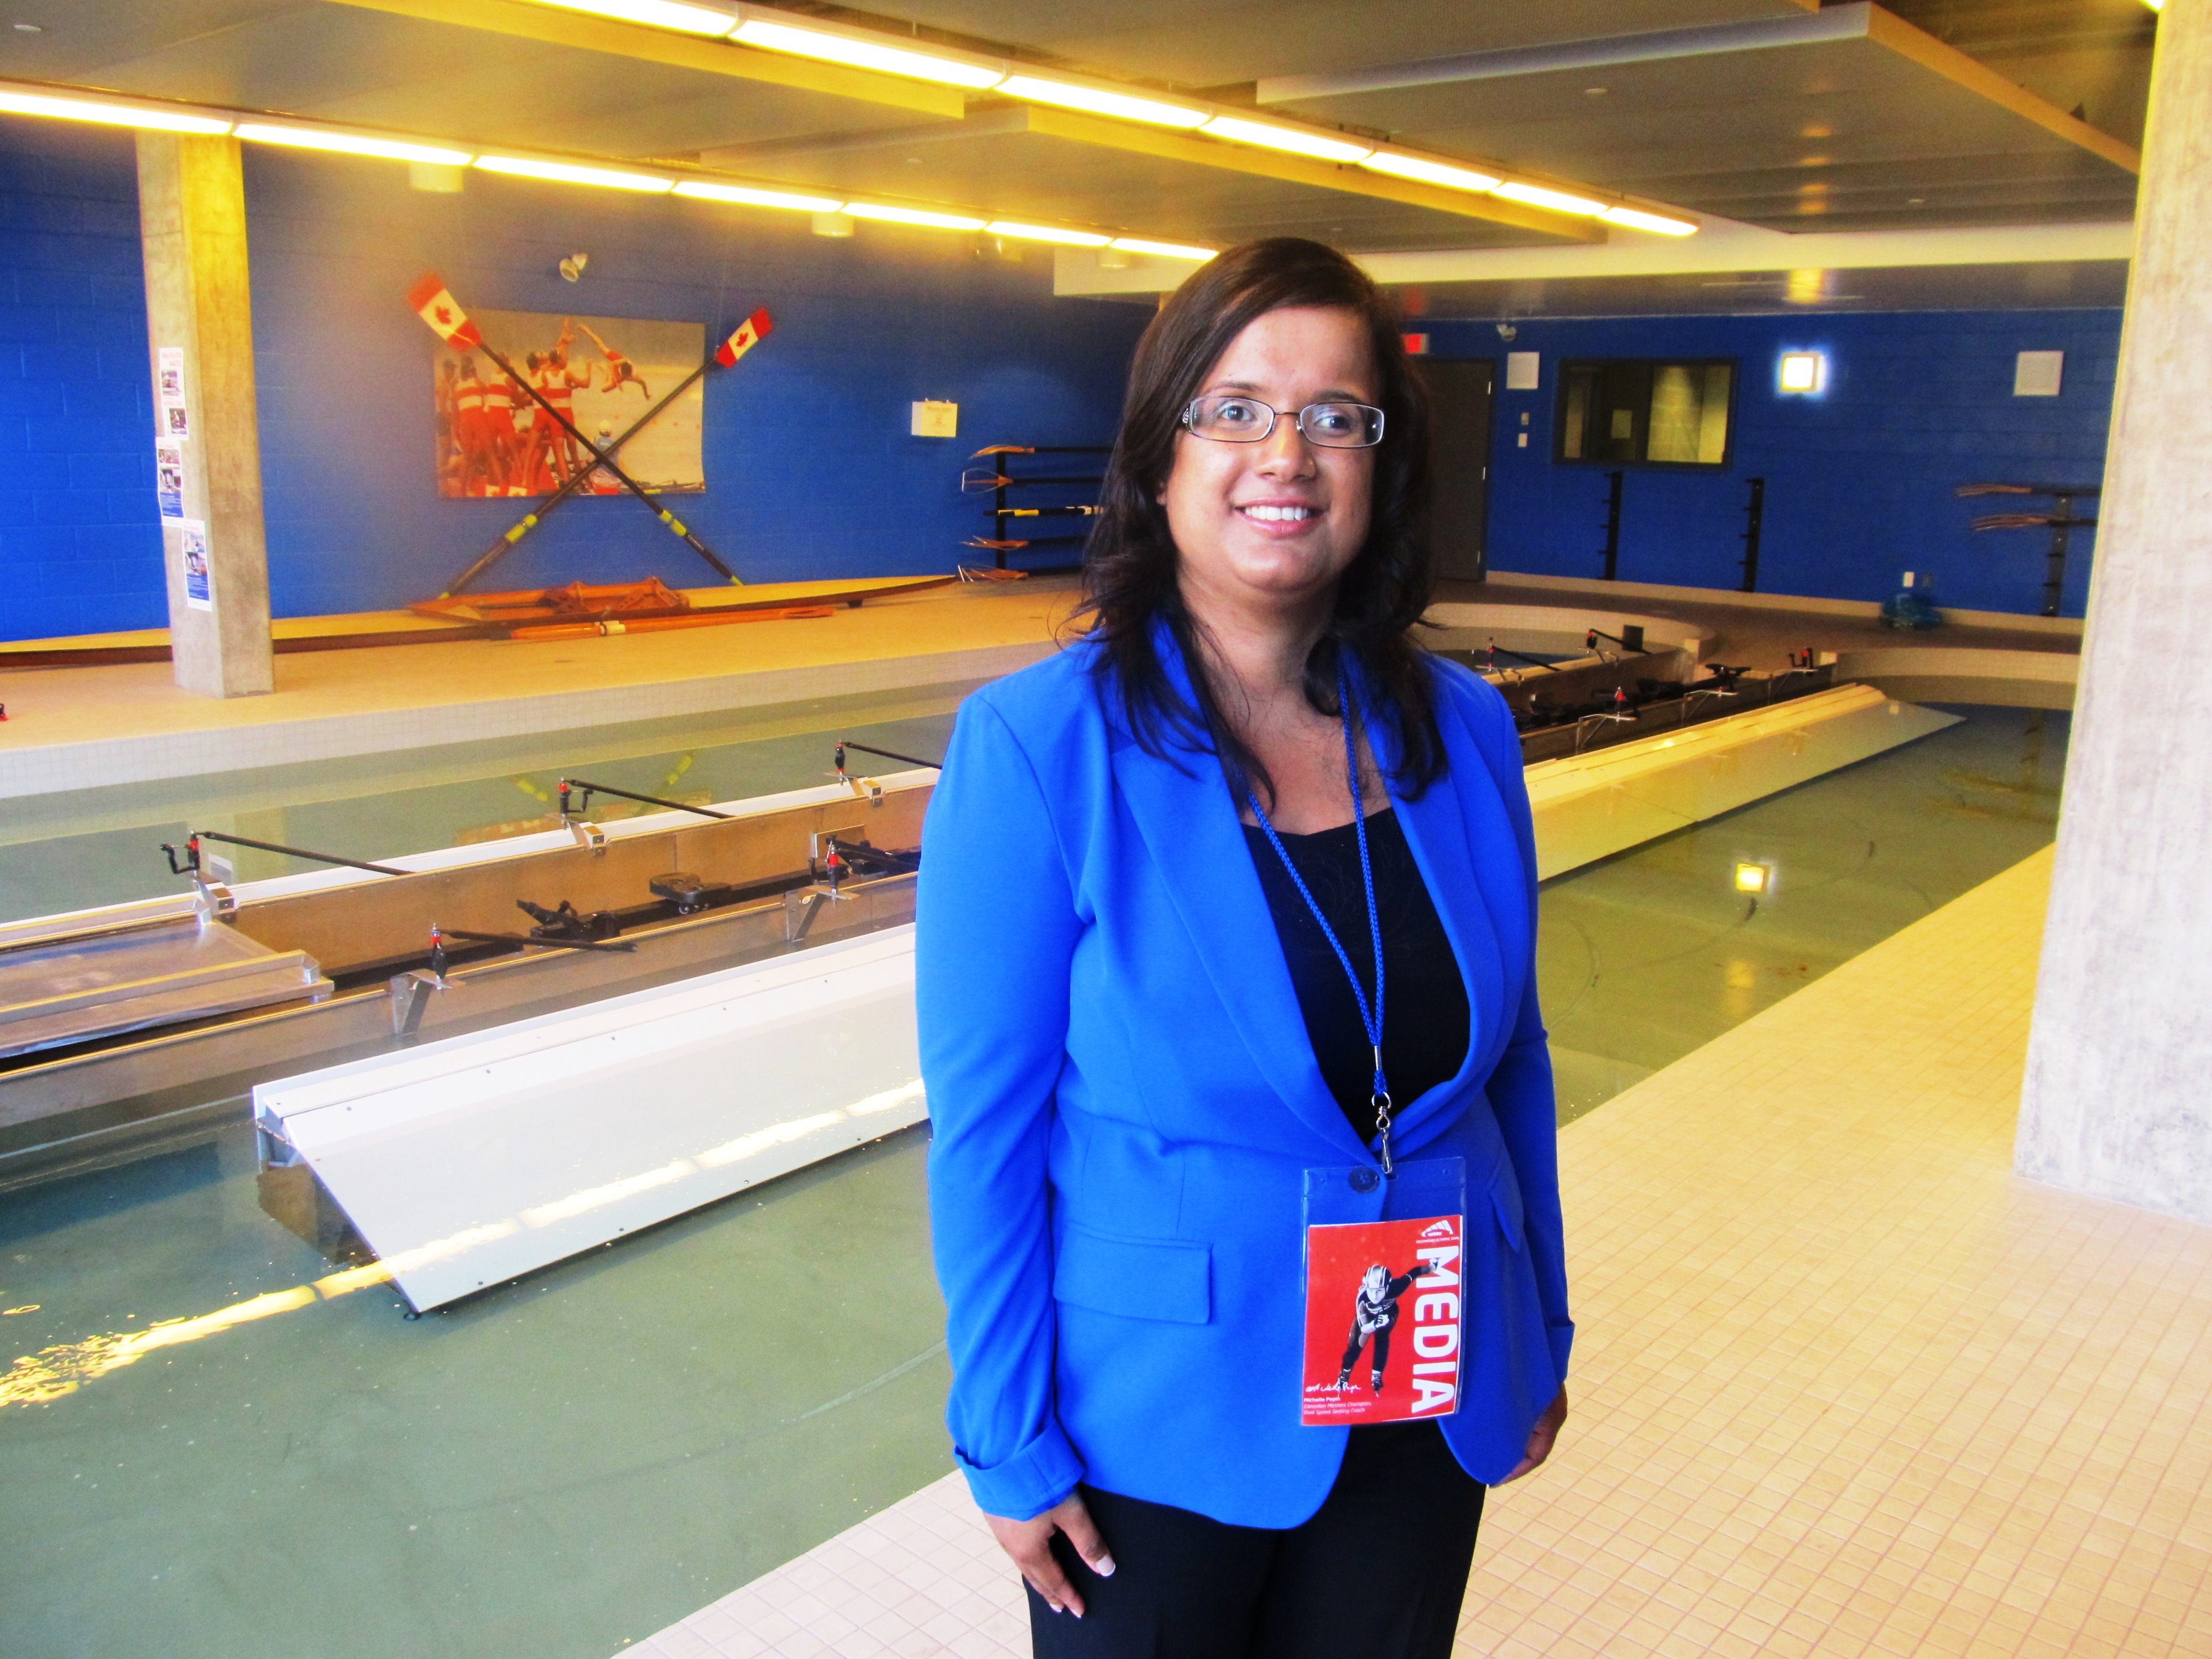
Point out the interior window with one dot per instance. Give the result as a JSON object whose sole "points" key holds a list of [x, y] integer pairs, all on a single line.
{"points": [[1640, 410]]}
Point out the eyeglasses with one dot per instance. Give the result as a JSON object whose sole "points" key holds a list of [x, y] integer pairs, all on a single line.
{"points": [[1232, 420]]}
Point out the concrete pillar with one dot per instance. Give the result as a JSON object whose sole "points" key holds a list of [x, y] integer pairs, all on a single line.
{"points": [[199, 322], [2118, 1097]]}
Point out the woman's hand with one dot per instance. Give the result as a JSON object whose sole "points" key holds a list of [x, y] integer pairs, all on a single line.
{"points": [[1540, 1439], [1030, 1544]]}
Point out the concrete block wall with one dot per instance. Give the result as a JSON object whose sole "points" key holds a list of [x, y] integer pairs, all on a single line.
{"points": [[812, 472], [1859, 479], [79, 546]]}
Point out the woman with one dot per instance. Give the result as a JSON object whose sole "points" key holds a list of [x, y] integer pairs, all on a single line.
{"points": [[1165, 1081]]}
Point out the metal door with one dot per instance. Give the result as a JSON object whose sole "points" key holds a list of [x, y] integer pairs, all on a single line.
{"points": [[1459, 456]]}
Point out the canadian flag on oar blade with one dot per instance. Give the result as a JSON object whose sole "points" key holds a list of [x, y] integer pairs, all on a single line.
{"points": [[443, 312], [747, 336]]}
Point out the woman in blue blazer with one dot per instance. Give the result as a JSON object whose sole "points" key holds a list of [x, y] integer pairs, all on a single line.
{"points": [[1160, 1051]]}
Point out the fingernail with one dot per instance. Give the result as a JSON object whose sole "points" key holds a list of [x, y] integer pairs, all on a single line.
{"points": [[1055, 1607], [1103, 1566]]}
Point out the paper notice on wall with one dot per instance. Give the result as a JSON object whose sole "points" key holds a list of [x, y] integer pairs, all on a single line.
{"points": [[199, 592], [935, 418], [170, 422], [170, 478], [1523, 370]]}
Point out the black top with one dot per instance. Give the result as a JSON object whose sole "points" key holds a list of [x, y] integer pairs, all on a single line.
{"points": [[1425, 1016]]}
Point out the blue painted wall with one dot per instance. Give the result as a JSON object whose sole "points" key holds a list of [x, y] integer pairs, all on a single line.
{"points": [[79, 547], [810, 469], [1858, 480]]}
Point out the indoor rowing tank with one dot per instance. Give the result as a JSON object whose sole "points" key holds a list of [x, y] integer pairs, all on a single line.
{"points": [[725, 1339]]}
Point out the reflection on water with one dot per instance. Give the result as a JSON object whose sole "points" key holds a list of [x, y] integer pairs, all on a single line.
{"points": [[1654, 952]]}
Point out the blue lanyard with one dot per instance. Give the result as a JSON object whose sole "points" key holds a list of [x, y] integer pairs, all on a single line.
{"points": [[1370, 1019]]}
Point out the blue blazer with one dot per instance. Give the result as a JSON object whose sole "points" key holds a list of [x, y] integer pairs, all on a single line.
{"points": [[1124, 1102]]}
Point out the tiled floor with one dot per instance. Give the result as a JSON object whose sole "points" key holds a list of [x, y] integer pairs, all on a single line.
{"points": [[1844, 1385]]}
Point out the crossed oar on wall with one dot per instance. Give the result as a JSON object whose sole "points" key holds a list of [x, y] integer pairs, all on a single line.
{"points": [[434, 303]]}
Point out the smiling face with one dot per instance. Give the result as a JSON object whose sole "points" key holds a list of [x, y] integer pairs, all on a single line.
{"points": [[1273, 525]]}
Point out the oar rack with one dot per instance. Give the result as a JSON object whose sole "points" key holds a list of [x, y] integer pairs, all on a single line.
{"points": [[1001, 470], [2059, 517]]}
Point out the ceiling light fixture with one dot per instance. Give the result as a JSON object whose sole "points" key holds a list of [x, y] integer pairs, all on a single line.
{"points": [[655, 14], [13, 102], [1098, 101], [901, 216], [1557, 200], [565, 172], [1635, 219], [747, 197], [348, 143], [1046, 234], [1430, 173], [861, 52], [1296, 143], [1162, 250], [436, 160]]}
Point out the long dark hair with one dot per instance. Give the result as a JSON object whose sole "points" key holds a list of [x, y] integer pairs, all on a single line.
{"points": [[1129, 565]]}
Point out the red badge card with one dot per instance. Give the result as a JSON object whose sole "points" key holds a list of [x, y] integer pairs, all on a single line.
{"points": [[1382, 1321]]}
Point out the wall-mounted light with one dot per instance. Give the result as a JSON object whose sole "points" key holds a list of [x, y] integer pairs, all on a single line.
{"points": [[1802, 372], [1753, 879]]}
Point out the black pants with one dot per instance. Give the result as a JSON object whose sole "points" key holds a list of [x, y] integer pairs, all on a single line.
{"points": [[1377, 1573]]}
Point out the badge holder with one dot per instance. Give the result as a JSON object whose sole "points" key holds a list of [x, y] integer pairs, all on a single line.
{"points": [[1382, 1317]]}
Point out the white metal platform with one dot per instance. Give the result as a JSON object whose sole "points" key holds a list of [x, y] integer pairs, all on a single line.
{"points": [[1587, 807], [469, 1161]]}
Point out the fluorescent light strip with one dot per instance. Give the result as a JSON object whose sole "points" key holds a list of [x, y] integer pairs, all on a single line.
{"points": [[1164, 250], [655, 14], [347, 143], [1097, 100], [1557, 200], [113, 115], [1658, 224], [1046, 234], [1431, 172], [1285, 138], [566, 173], [339, 142], [899, 215], [861, 53], [747, 197]]}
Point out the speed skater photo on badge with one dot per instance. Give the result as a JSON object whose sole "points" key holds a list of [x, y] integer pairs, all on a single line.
{"points": [[614, 378], [1382, 1321]]}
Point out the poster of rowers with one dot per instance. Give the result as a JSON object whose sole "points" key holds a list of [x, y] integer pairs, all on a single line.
{"points": [[610, 376]]}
